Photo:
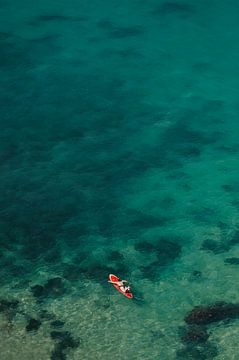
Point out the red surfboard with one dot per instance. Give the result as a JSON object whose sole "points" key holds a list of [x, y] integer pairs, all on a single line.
{"points": [[112, 277]]}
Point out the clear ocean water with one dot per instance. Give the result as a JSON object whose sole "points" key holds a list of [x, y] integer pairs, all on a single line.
{"points": [[119, 153]]}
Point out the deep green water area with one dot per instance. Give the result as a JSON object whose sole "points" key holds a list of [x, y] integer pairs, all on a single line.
{"points": [[119, 153]]}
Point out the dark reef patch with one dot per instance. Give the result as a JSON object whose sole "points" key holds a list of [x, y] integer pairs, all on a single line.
{"points": [[38, 291], [205, 351], [203, 215], [145, 221], [52, 288], [150, 271], [165, 250], [36, 240], [234, 240], [196, 344], [52, 256], [115, 256], [179, 142], [228, 188], [8, 154], [189, 151], [80, 257], [33, 325], [99, 272], [196, 275], [58, 354], [71, 272], [55, 286], [13, 54], [5, 36], [204, 315], [9, 307], [64, 341], [144, 247], [17, 270], [217, 247], [45, 315], [156, 334], [181, 134], [167, 202], [194, 334], [57, 324], [228, 241], [232, 261]]}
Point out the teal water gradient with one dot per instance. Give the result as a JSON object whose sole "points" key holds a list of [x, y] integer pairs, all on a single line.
{"points": [[118, 153]]}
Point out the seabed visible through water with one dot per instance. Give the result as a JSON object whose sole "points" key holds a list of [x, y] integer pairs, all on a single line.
{"points": [[119, 154]]}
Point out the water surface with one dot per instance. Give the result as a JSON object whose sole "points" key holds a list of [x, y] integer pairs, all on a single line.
{"points": [[118, 153]]}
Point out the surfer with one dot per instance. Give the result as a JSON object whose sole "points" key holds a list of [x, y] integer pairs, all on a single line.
{"points": [[121, 284]]}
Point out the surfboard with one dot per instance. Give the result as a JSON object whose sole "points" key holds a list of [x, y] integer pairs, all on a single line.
{"points": [[112, 277]]}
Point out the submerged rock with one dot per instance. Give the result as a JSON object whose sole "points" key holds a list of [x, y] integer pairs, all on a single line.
{"points": [[57, 324], [38, 290], [197, 274], [53, 287], [232, 261], [98, 271], [150, 271], [144, 247], [58, 354], [195, 334], [71, 272], [17, 270], [52, 256], [156, 334], [203, 315], [9, 308], [216, 247], [44, 314], [33, 324], [205, 351], [235, 239], [65, 339], [8, 305], [167, 251], [115, 255]]}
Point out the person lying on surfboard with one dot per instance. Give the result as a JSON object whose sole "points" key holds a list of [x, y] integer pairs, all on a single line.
{"points": [[121, 284]]}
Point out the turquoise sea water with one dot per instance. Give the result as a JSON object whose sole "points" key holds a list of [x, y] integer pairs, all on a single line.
{"points": [[119, 154]]}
